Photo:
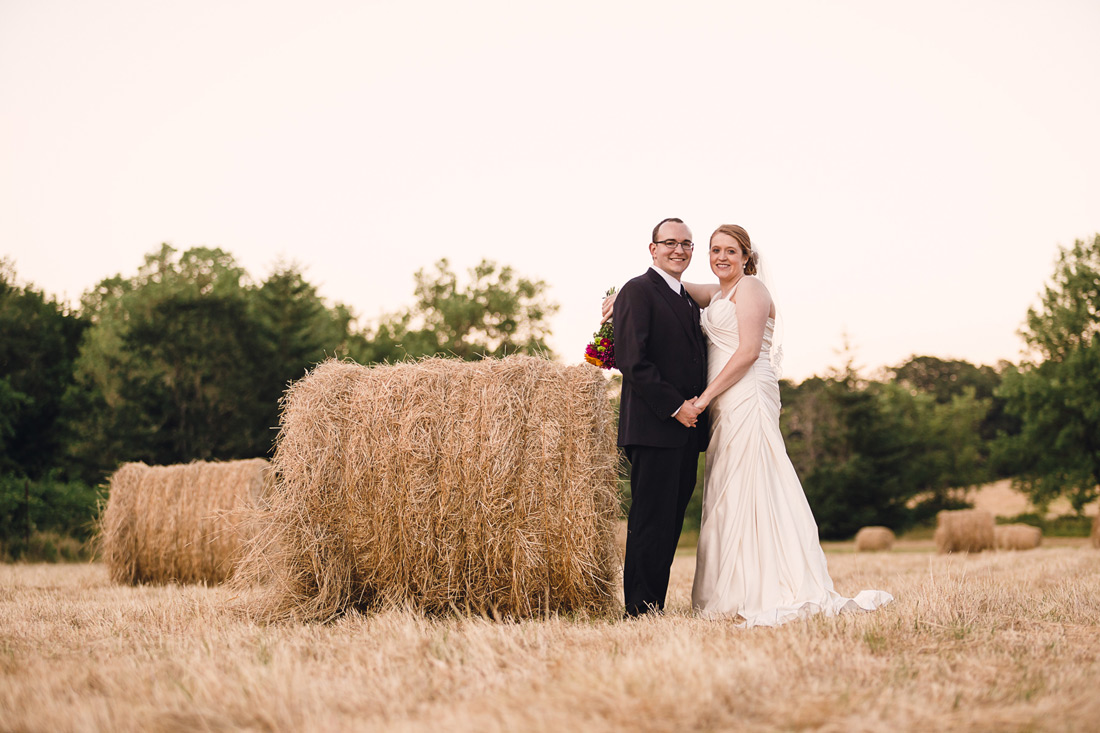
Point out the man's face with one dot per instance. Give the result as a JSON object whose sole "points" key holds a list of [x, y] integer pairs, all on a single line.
{"points": [[675, 259]]}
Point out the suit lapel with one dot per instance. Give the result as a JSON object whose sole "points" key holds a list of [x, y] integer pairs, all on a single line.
{"points": [[682, 311]]}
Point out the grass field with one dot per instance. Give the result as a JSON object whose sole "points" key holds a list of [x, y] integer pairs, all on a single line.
{"points": [[998, 641]]}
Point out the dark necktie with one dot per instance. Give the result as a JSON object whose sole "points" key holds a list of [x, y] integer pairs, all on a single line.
{"points": [[690, 304]]}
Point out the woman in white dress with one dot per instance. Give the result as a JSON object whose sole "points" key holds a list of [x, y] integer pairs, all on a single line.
{"points": [[759, 558]]}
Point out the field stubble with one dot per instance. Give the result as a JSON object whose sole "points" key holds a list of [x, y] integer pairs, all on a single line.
{"points": [[997, 641]]}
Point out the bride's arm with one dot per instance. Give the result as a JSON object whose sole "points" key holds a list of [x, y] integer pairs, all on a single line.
{"points": [[753, 305], [700, 293]]}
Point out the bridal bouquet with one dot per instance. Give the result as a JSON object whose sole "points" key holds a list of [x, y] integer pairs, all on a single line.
{"points": [[601, 351]]}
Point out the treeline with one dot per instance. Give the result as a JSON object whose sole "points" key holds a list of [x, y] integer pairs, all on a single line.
{"points": [[187, 360], [896, 450], [889, 451]]}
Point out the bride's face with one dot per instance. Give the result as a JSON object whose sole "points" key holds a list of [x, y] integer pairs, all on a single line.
{"points": [[727, 259]]}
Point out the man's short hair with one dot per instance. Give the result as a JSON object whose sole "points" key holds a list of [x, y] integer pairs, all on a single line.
{"points": [[664, 221]]}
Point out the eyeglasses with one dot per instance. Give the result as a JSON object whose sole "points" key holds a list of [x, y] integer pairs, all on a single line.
{"points": [[672, 244]]}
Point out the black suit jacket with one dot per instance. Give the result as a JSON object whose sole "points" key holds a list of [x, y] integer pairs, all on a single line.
{"points": [[661, 352]]}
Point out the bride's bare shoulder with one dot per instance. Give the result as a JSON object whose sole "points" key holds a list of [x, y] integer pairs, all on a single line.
{"points": [[753, 287], [750, 290]]}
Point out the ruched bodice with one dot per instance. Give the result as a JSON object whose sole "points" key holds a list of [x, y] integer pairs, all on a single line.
{"points": [[759, 557], [719, 323]]}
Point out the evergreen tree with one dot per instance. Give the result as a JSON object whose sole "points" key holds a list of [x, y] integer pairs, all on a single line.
{"points": [[39, 339]]}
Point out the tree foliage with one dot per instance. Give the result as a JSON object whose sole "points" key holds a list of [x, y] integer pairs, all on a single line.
{"points": [[865, 450], [39, 338], [1056, 394], [497, 312], [187, 359], [295, 330], [947, 380]]}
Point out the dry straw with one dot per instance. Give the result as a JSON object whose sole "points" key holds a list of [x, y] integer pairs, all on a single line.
{"points": [[874, 539], [1017, 536], [184, 524], [481, 487], [964, 530]]}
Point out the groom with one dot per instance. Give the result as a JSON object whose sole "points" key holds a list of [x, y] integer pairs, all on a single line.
{"points": [[661, 352]]}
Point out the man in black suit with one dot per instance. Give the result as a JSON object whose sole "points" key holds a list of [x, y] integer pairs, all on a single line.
{"points": [[661, 352]]}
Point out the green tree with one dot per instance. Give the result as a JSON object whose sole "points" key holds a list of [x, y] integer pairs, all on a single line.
{"points": [[948, 380], [865, 449], [497, 312], [945, 379], [859, 477], [187, 359], [39, 339], [167, 371], [296, 330], [1055, 392]]}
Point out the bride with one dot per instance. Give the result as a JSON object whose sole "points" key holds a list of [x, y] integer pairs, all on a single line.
{"points": [[758, 557]]}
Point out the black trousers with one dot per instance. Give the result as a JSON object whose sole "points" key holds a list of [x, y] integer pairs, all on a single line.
{"points": [[661, 484]]}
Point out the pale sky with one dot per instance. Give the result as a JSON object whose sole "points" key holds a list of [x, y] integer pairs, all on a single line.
{"points": [[909, 169]]}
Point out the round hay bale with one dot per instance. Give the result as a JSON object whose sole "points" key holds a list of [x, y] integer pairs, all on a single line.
{"points": [[483, 487], [183, 524], [874, 539], [1017, 537], [964, 530], [1096, 531]]}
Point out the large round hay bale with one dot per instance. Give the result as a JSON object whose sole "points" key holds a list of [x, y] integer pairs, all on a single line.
{"points": [[874, 539], [964, 530], [1096, 531], [482, 487], [1017, 536], [184, 524]]}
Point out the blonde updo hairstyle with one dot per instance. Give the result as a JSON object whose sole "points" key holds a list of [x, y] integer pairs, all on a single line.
{"points": [[742, 237]]}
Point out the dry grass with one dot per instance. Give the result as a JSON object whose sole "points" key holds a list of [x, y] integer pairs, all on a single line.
{"points": [[486, 487], [1017, 537], [990, 642], [184, 524], [965, 530], [874, 539]]}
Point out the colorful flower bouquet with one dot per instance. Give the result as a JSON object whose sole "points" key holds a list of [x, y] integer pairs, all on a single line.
{"points": [[601, 351]]}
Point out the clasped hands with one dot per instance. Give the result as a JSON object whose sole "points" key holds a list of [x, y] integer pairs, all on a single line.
{"points": [[688, 414]]}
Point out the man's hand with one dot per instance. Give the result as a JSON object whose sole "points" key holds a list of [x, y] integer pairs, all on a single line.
{"points": [[688, 414]]}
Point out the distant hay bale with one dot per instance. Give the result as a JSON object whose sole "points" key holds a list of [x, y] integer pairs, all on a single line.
{"points": [[483, 487], [184, 523], [874, 539], [1096, 531], [1017, 536], [964, 530]]}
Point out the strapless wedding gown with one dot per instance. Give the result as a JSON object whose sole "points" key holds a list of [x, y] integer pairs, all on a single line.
{"points": [[759, 556]]}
